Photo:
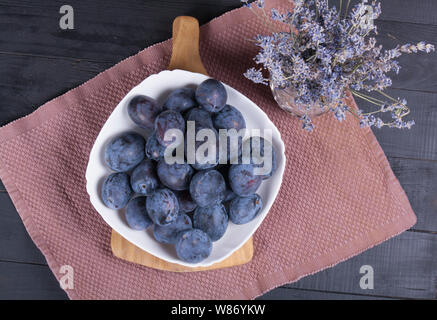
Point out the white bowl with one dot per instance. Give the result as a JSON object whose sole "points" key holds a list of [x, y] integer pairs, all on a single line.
{"points": [[158, 86]]}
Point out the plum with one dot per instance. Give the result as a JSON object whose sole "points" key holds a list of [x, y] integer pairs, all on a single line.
{"points": [[229, 118], [143, 111], [211, 95], [193, 246], [175, 176], [229, 195], [165, 121], [213, 220], [244, 209], [162, 207], [207, 188], [143, 179], [125, 151], [136, 214], [206, 163], [243, 180], [186, 203], [116, 190], [169, 233], [200, 116], [154, 150], [181, 100], [256, 147]]}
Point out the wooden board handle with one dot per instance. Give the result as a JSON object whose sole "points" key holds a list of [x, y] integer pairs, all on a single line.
{"points": [[185, 54]]}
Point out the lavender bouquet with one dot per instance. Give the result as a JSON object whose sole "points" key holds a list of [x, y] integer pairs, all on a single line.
{"points": [[325, 52]]}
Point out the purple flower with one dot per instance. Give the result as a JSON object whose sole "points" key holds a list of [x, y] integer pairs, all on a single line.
{"points": [[255, 75], [331, 53]]}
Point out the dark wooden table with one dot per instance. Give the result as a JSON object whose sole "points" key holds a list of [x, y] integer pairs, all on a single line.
{"points": [[39, 61]]}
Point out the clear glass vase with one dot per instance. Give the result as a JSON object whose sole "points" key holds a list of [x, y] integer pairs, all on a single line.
{"points": [[285, 97]]}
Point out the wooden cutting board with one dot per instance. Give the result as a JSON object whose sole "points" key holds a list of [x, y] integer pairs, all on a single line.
{"points": [[185, 56]]}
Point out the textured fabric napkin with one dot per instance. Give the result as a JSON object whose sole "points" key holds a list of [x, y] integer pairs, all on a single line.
{"points": [[338, 196]]}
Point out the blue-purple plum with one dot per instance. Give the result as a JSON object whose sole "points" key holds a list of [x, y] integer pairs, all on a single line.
{"points": [[154, 150], [165, 121], [175, 176], [207, 188], [200, 116], [193, 246], [125, 151], [186, 203], [244, 209], [136, 214], [211, 95], [169, 233], [234, 156], [213, 220], [116, 190], [243, 180], [162, 207], [257, 145], [181, 100], [229, 195], [229, 118], [143, 111], [144, 179], [212, 143]]}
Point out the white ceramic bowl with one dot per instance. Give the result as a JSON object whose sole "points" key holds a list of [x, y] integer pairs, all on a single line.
{"points": [[158, 86]]}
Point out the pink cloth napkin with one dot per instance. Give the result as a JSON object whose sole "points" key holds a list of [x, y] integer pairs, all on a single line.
{"points": [[338, 196]]}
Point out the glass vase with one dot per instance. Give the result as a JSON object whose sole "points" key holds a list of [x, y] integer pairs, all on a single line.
{"points": [[285, 97]]}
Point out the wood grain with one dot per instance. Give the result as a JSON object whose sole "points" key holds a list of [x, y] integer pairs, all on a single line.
{"points": [[28, 281], [185, 53], [125, 250], [15, 243], [286, 293], [185, 56], [400, 271]]}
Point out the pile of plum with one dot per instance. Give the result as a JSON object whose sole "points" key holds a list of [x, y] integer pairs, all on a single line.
{"points": [[187, 205]]}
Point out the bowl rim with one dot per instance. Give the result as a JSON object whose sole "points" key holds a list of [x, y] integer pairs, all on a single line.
{"points": [[196, 77]]}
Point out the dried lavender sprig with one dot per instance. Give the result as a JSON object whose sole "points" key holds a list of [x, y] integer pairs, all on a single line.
{"points": [[324, 54]]}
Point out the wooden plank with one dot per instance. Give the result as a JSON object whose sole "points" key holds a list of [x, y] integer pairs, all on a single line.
{"points": [[31, 83], [26, 281], [421, 141], [285, 293], [422, 11], [99, 40], [131, 23], [104, 30], [418, 178], [28, 82], [418, 71], [15, 243], [404, 267]]}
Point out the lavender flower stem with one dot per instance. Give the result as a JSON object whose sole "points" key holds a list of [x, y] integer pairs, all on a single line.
{"points": [[369, 97], [327, 51], [387, 96], [364, 98], [347, 7]]}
